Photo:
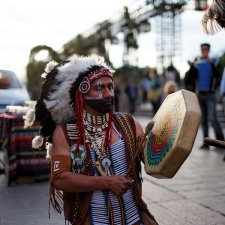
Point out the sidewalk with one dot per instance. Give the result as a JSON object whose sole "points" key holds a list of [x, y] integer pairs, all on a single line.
{"points": [[195, 196]]}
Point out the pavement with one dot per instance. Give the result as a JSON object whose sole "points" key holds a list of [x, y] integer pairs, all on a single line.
{"points": [[194, 196]]}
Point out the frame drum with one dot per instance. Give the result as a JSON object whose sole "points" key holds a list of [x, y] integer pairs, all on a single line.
{"points": [[171, 140]]}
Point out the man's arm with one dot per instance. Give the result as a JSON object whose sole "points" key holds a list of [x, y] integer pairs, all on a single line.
{"points": [[140, 136], [139, 129], [71, 182], [140, 133]]}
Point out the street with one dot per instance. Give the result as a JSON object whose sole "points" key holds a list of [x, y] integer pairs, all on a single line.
{"points": [[195, 196]]}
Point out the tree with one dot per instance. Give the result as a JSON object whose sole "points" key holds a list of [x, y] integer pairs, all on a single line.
{"points": [[36, 67]]}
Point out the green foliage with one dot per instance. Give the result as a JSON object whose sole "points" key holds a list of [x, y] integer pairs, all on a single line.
{"points": [[76, 46], [127, 71], [130, 29]]}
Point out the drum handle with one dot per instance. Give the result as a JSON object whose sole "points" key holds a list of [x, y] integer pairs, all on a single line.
{"points": [[214, 142], [140, 145]]}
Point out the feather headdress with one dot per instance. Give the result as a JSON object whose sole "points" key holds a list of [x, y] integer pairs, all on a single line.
{"points": [[214, 17], [61, 95], [58, 102]]}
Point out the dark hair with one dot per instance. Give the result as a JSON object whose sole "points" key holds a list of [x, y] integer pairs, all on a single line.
{"points": [[205, 44]]}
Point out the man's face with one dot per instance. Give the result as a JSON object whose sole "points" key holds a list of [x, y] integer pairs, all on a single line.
{"points": [[101, 94], [205, 51], [101, 88]]}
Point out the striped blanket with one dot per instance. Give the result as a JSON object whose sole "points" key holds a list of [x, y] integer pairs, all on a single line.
{"points": [[20, 158]]}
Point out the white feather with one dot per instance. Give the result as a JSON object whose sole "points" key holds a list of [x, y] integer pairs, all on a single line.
{"points": [[29, 118], [50, 66], [58, 102], [37, 142], [43, 75], [49, 148]]}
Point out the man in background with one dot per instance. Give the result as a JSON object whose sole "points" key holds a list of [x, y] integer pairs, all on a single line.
{"points": [[208, 81]]}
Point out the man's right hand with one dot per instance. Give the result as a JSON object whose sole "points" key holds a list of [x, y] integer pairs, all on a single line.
{"points": [[118, 184]]}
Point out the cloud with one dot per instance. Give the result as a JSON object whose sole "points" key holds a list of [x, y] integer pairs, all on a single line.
{"points": [[25, 24]]}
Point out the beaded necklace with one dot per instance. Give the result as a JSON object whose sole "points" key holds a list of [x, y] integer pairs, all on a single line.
{"points": [[96, 120], [96, 136]]}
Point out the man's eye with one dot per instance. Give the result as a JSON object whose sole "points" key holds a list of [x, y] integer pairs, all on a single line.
{"points": [[110, 87]]}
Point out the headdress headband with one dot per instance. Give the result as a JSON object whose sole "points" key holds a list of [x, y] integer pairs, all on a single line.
{"points": [[85, 84], [58, 101]]}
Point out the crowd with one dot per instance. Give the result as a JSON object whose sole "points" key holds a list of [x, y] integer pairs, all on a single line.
{"points": [[203, 78]]}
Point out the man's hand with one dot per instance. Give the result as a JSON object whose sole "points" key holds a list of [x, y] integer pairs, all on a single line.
{"points": [[118, 184], [142, 139]]}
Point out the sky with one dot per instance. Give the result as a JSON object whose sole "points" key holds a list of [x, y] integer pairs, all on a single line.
{"points": [[25, 24]]}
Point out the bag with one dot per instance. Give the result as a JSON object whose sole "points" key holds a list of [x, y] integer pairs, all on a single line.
{"points": [[154, 95]]}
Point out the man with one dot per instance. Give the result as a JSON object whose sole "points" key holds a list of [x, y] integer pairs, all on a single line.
{"points": [[208, 81], [92, 147], [131, 91], [214, 19]]}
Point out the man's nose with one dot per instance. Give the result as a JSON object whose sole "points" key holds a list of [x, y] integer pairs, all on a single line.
{"points": [[108, 93]]}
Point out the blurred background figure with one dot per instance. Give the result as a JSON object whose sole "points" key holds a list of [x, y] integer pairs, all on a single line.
{"points": [[191, 77], [222, 93], [171, 73], [222, 90], [155, 90], [213, 21], [208, 82], [145, 85], [169, 88], [117, 92], [131, 91]]}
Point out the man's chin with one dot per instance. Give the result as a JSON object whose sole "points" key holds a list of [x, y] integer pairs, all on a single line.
{"points": [[100, 106], [105, 109]]}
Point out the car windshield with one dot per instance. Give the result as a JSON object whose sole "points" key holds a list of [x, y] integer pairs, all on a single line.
{"points": [[8, 80]]}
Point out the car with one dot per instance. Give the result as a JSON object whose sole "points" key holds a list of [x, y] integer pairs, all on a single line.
{"points": [[12, 91]]}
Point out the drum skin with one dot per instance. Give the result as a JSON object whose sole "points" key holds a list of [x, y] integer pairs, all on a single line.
{"points": [[171, 140]]}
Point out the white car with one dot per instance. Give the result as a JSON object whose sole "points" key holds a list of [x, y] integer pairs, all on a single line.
{"points": [[12, 91]]}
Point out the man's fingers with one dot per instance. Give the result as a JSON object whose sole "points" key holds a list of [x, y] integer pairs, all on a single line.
{"points": [[149, 127], [130, 181]]}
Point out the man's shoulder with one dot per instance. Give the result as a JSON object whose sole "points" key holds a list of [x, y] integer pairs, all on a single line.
{"points": [[123, 117], [119, 113], [123, 114]]}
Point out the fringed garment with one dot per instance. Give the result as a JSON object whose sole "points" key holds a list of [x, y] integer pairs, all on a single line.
{"points": [[123, 209]]}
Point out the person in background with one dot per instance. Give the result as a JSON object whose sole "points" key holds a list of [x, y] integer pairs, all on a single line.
{"points": [[117, 94], [222, 93], [208, 80], [171, 73], [169, 88], [214, 20], [155, 90], [145, 85], [222, 89], [131, 90], [191, 77]]}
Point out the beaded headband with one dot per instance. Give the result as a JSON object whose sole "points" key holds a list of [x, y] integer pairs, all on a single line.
{"points": [[84, 86]]}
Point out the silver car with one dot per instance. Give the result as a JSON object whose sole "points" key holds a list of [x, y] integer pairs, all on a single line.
{"points": [[12, 91]]}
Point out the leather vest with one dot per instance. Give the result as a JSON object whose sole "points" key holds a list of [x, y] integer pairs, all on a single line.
{"points": [[76, 205]]}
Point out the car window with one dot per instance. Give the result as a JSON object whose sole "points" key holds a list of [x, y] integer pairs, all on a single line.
{"points": [[9, 80]]}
